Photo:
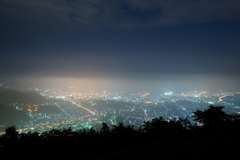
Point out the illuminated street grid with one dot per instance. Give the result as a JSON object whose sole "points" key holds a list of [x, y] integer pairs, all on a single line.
{"points": [[91, 109]]}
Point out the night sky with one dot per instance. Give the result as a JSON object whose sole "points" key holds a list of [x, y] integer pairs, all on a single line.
{"points": [[118, 45]]}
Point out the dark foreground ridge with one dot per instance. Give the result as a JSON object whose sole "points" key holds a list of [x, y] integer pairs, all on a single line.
{"points": [[215, 135]]}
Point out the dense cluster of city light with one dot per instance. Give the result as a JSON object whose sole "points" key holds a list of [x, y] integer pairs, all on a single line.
{"points": [[74, 109]]}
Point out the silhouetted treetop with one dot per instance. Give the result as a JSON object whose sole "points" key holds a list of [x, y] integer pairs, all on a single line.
{"points": [[213, 116]]}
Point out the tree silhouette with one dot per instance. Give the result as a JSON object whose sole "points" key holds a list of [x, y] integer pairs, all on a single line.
{"points": [[212, 116], [105, 128], [121, 129], [186, 123], [11, 132]]}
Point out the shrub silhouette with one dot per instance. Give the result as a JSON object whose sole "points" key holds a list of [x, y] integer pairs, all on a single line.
{"points": [[160, 125]]}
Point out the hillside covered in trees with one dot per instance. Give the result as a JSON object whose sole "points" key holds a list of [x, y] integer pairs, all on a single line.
{"points": [[14, 106], [14, 96], [214, 135]]}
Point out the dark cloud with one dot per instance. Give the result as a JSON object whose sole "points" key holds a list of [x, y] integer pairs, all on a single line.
{"points": [[75, 14], [171, 43]]}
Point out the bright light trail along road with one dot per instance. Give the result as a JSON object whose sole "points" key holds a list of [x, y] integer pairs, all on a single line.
{"points": [[82, 107], [55, 124]]}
